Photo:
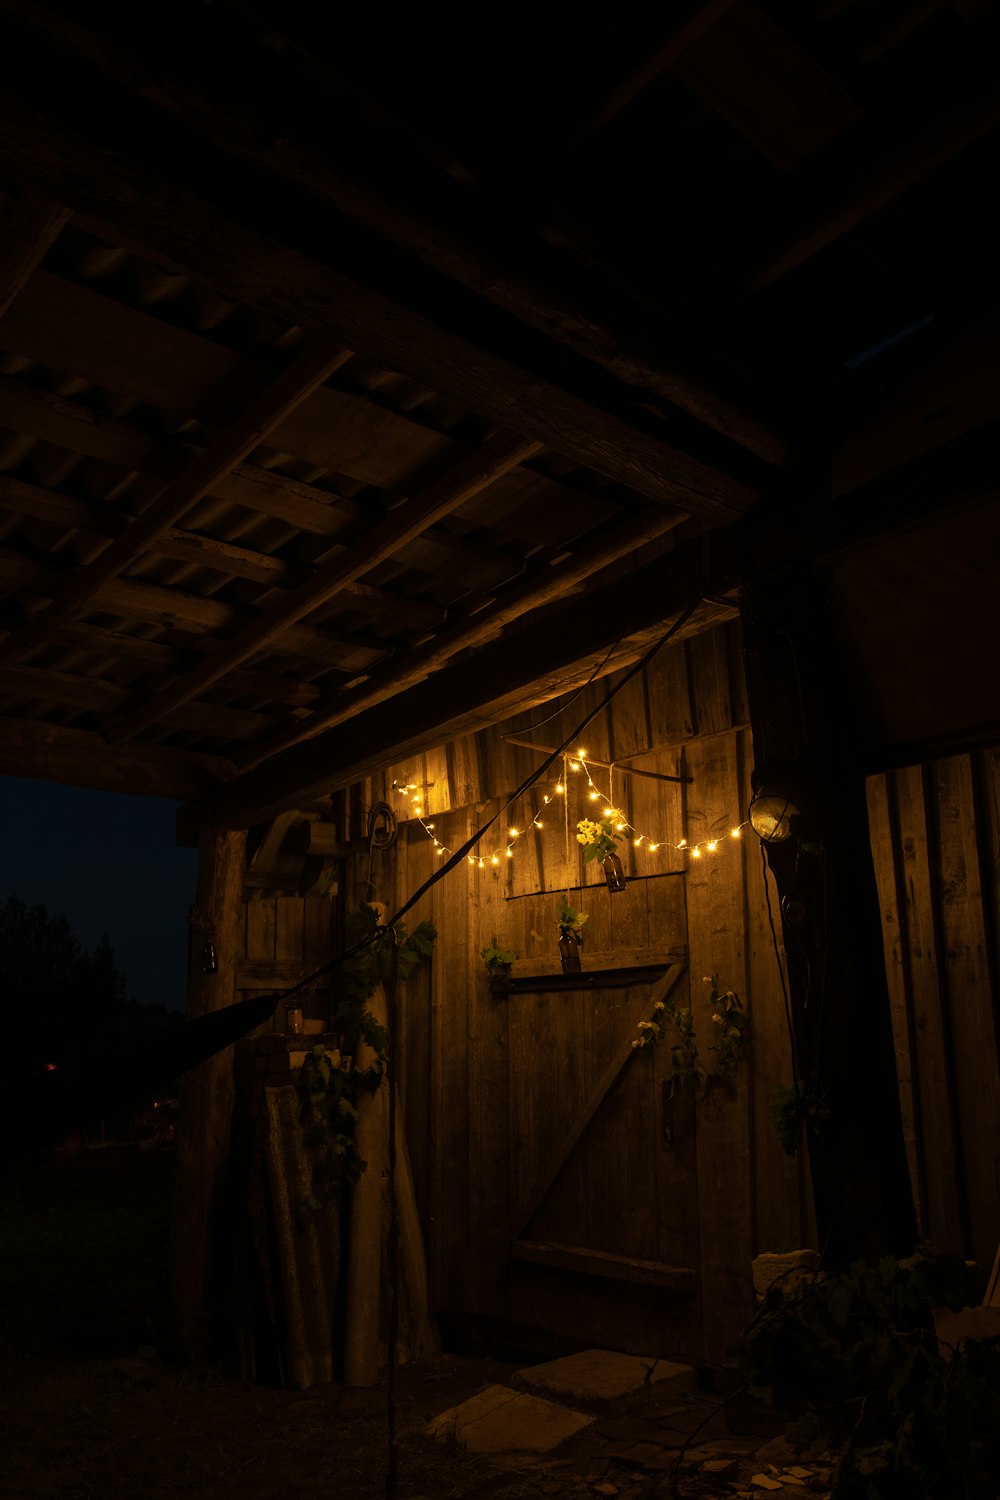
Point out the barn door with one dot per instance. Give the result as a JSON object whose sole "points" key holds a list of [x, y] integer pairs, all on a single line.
{"points": [[604, 1235]]}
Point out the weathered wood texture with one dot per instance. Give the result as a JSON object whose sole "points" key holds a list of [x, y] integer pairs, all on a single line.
{"points": [[492, 1084], [936, 842], [208, 1094]]}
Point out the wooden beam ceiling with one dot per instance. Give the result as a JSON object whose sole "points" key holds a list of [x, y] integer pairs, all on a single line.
{"points": [[26, 232], [74, 757], [211, 238], [307, 370]]}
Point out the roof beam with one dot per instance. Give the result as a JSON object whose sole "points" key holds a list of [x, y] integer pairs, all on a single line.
{"points": [[73, 757], [469, 476], [556, 583], [309, 369], [211, 237], [530, 665], [203, 551], [27, 230], [175, 609], [880, 177]]}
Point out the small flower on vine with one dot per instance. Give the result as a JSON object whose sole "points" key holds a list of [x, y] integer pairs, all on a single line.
{"points": [[598, 839]]}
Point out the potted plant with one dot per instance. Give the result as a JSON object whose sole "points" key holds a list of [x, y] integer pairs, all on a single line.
{"points": [[498, 963], [600, 841], [571, 924]]}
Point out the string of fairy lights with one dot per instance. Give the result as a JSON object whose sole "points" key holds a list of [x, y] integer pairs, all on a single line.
{"points": [[605, 813]]}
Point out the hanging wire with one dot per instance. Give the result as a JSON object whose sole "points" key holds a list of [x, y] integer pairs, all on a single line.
{"points": [[392, 1245], [796, 1075]]}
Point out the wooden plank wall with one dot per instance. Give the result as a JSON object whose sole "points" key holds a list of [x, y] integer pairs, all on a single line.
{"points": [[489, 1082], [936, 840]]}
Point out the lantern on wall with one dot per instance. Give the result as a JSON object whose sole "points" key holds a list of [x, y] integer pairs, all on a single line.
{"points": [[775, 807]]}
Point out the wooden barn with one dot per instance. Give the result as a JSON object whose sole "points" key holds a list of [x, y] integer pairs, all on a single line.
{"points": [[420, 438]]}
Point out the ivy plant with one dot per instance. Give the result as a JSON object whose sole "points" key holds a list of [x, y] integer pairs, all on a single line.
{"points": [[853, 1360], [330, 1083]]}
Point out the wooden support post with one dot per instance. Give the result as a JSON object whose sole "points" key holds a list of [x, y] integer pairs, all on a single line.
{"points": [[363, 1324], [804, 728], [207, 1098]]}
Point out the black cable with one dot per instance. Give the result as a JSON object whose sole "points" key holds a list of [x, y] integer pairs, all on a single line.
{"points": [[781, 973], [392, 1237], [463, 851]]}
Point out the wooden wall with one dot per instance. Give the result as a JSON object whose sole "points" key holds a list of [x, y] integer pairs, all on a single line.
{"points": [[492, 1083], [936, 839]]}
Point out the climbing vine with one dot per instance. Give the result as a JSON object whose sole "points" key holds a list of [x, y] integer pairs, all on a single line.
{"points": [[330, 1083]]}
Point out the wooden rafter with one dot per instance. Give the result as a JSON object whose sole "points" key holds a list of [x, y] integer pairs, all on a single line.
{"points": [[434, 239], [213, 241], [316, 363], [531, 665], [442, 496], [153, 602], [557, 583], [74, 757], [26, 232], [205, 551]]}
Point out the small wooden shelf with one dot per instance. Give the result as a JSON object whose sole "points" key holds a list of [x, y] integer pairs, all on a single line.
{"points": [[612, 970], [680, 1279]]}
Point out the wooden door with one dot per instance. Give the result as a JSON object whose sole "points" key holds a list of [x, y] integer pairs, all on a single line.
{"points": [[604, 1178]]}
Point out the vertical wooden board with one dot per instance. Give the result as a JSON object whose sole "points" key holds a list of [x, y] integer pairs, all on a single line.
{"points": [[667, 911], [883, 843], [450, 901], [967, 974], [414, 1033], [709, 665], [732, 632], [527, 865], [288, 928], [778, 1219], [672, 713], [629, 916], [489, 1095], [262, 928], [943, 1218], [675, 1137], [629, 711], [464, 777], [436, 786], [717, 942]]}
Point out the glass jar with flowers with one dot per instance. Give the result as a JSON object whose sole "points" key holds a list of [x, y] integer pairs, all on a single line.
{"points": [[600, 841], [570, 936]]}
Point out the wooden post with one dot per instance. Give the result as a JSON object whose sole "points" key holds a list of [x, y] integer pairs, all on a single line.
{"points": [[803, 726], [363, 1318], [207, 1097]]}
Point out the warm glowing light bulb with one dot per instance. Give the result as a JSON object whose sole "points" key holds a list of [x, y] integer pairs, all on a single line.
{"points": [[536, 823], [514, 833], [594, 796], [510, 854], [441, 849], [471, 859], [620, 826], [574, 765], [696, 852], [494, 860], [637, 842], [682, 844], [581, 754], [560, 788], [546, 798], [654, 846], [713, 844], [480, 864], [734, 833]]}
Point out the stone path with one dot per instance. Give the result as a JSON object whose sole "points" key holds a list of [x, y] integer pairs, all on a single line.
{"points": [[620, 1419]]}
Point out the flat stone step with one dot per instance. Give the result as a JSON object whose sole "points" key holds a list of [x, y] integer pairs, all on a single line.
{"points": [[499, 1420], [604, 1381]]}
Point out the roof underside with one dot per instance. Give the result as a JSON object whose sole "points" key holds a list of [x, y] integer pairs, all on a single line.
{"points": [[351, 397]]}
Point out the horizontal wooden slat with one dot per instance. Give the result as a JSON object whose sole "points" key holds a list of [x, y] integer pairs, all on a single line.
{"points": [[600, 961], [74, 757], [612, 1267], [273, 974]]}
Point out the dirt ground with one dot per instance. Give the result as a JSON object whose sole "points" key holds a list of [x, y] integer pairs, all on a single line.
{"points": [[92, 1408]]}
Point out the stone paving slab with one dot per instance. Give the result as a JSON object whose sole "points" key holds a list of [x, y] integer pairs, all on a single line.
{"points": [[499, 1420], [602, 1380]]}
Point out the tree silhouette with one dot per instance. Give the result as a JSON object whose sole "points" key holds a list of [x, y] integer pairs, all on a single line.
{"points": [[61, 1003]]}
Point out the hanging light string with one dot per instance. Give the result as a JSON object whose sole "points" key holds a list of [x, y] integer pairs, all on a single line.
{"points": [[608, 813]]}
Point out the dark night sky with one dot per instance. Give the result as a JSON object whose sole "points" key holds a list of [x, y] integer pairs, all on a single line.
{"points": [[110, 864]]}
